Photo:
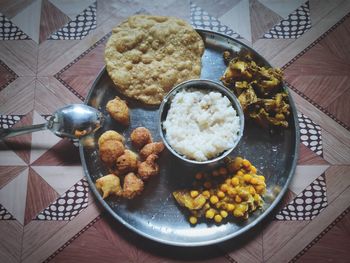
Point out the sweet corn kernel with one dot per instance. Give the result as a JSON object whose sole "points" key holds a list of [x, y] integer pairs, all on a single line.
{"points": [[214, 199], [261, 177], [193, 220], [260, 185], [246, 164], [257, 198], [224, 188], [206, 206], [252, 190], [232, 192], [228, 181], [244, 194], [247, 177], [235, 181], [260, 189], [230, 207], [218, 218], [239, 173], [280, 116], [222, 171], [253, 169], [238, 199], [194, 193], [237, 163], [199, 175], [238, 213], [254, 180], [206, 194], [220, 205], [243, 207], [210, 213], [221, 194], [223, 213]]}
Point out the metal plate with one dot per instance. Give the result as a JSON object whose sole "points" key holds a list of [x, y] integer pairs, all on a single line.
{"points": [[155, 213]]}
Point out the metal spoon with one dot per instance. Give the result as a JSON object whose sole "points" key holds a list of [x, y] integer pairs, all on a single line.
{"points": [[72, 121]]}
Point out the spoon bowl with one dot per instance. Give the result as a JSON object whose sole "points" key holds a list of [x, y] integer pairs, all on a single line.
{"points": [[75, 120], [72, 121]]}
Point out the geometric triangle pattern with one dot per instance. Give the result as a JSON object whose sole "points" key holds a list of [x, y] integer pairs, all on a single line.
{"points": [[39, 195], [47, 24], [7, 75], [281, 7], [7, 121], [295, 25], [4, 214], [9, 172], [69, 205], [79, 27], [308, 204], [60, 178], [310, 134], [14, 194], [238, 18], [308, 157], [63, 153], [79, 74], [28, 19], [261, 19], [202, 20], [8, 31], [8, 158], [21, 145], [305, 175], [72, 8]]}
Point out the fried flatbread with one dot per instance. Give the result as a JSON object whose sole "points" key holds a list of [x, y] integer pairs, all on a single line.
{"points": [[147, 55]]}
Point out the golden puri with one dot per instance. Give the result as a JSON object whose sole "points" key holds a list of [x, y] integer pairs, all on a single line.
{"points": [[147, 55]]}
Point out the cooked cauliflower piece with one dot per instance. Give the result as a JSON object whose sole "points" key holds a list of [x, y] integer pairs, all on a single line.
{"points": [[109, 185], [133, 186], [118, 110]]}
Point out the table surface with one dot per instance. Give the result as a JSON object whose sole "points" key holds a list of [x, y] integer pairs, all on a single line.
{"points": [[52, 50]]}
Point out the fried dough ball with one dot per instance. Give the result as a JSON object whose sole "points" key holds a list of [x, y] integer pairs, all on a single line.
{"points": [[110, 150], [133, 186], [110, 135], [127, 162], [149, 167], [109, 184], [153, 147], [118, 110], [140, 137]]}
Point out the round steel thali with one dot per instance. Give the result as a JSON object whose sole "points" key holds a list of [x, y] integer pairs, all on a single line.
{"points": [[154, 214]]}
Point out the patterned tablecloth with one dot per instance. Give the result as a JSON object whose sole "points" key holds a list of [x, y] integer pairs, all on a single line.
{"points": [[52, 50]]}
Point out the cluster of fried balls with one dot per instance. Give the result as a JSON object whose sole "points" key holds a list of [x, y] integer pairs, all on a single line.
{"points": [[128, 169]]}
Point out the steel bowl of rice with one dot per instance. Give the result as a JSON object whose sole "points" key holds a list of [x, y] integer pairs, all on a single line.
{"points": [[201, 121]]}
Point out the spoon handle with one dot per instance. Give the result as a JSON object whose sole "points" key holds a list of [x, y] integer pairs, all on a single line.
{"points": [[6, 133]]}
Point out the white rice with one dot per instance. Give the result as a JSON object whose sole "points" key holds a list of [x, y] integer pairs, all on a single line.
{"points": [[201, 124]]}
